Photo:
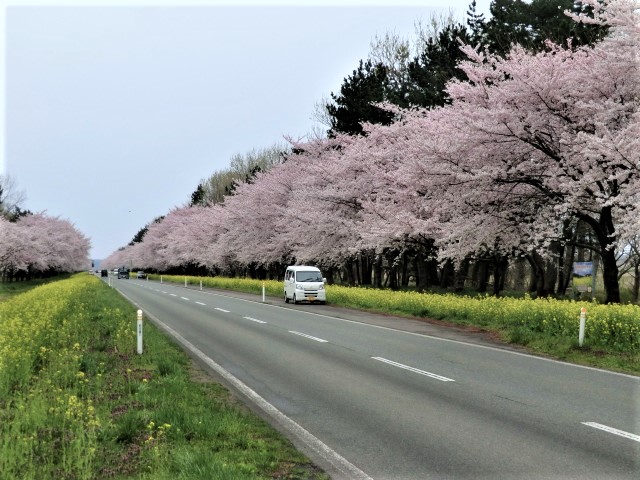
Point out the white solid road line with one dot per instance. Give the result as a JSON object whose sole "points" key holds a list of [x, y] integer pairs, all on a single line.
{"points": [[308, 336], [615, 431], [415, 370], [346, 468]]}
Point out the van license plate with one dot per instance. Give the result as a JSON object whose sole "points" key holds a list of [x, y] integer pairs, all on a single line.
{"points": [[311, 299]]}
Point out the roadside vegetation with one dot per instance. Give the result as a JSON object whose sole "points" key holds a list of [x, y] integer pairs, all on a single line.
{"points": [[76, 402], [545, 326]]}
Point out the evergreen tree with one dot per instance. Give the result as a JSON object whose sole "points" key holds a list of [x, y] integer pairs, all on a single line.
{"points": [[353, 105], [197, 197], [435, 66]]}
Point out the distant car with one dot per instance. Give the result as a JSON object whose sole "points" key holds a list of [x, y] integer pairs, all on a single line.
{"points": [[115, 272], [123, 273], [104, 273], [141, 274]]}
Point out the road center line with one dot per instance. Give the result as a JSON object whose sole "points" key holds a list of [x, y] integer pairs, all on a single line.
{"points": [[615, 431], [200, 303], [308, 336], [173, 294], [222, 310], [184, 298], [415, 370], [254, 320]]}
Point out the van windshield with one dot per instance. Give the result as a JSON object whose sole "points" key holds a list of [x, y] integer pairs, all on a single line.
{"points": [[308, 277]]}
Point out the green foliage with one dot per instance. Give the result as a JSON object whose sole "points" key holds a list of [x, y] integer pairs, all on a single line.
{"points": [[353, 105], [530, 24], [435, 66]]}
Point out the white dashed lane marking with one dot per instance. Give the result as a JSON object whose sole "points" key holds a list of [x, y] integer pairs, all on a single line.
{"points": [[308, 336], [254, 320]]}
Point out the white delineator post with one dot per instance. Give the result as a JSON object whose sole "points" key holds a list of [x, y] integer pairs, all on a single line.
{"points": [[583, 318], [160, 278], [263, 292], [139, 332], [200, 284], [185, 282]]}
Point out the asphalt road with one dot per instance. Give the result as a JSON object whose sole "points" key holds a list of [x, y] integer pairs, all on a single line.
{"points": [[364, 400]]}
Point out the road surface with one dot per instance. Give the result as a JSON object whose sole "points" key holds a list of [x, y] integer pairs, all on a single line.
{"points": [[367, 401]]}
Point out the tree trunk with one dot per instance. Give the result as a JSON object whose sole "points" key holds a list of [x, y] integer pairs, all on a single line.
{"points": [[404, 281], [550, 276], [610, 276], [538, 271], [392, 275], [482, 273], [421, 272], [501, 264], [366, 262], [377, 272], [606, 234], [636, 283], [447, 277], [461, 276]]}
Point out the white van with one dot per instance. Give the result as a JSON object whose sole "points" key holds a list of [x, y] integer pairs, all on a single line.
{"points": [[304, 283]]}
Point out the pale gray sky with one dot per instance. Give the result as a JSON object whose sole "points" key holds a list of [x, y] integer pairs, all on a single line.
{"points": [[113, 113]]}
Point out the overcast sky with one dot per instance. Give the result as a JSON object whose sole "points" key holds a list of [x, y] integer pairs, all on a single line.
{"points": [[113, 114]]}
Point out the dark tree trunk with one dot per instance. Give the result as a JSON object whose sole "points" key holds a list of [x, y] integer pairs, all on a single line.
{"points": [[482, 275], [499, 273], [404, 280], [550, 276], [636, 283], [606, 234], [461, 275], [538, 271], [448, 274], [421, 272], [366, 268], [610, 275], [377, 271]]}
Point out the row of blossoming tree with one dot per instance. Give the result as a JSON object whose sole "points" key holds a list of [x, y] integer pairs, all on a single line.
{"points": [[532, 149], [39, 245]]}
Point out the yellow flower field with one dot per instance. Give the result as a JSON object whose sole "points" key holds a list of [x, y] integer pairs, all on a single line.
{"points": [[44, 391]]}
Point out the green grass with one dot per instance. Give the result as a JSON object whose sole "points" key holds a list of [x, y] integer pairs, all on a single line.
{"points": [[546, 327], [76, 402], [9, 289]]}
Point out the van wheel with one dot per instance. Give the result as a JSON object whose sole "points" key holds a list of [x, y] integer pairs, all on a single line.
{"points": [[286, 299], [294, 299]]}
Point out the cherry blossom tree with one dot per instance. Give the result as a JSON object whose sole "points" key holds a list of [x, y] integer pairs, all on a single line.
{"points": [[554, 129], [40, 243]]}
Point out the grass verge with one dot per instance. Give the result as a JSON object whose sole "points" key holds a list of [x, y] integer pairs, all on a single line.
{"points": [[76, 402]]}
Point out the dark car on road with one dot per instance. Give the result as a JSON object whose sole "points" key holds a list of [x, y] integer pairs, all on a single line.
{"points": [[104, 273], [123, 273]]}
